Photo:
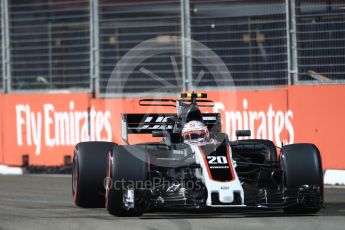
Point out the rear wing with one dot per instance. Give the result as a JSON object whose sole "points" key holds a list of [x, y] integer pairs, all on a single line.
{"points": [[138, 123]]}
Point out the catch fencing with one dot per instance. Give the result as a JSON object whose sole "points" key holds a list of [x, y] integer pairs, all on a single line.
{"points": [[320, 41], [82, 45]]}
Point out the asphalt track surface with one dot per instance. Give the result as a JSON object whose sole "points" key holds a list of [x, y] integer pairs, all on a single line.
{"points": [[44, 202]]}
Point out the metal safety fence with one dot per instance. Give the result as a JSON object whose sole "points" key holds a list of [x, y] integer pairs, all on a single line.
{"points": [[49, 44], [249, 36], [118, 47], [142, 28], [2, 79], [320, 40]]}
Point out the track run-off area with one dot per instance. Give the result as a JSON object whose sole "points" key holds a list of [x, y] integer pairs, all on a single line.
{"points": [[44, 202]]}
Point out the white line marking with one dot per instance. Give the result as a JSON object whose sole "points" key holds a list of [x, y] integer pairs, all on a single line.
{"points": [[6, 170]]}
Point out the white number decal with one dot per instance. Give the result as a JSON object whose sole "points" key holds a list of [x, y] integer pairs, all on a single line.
{"points": [[222, 160], [217, 160], [212, 159]]}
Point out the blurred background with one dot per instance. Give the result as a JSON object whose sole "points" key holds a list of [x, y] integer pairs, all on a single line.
{"points": [[74, 44]]}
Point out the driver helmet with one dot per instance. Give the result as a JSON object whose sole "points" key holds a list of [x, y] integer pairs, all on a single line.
{"points": [[195, 131]]}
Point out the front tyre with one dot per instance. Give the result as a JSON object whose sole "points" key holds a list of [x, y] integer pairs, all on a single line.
{"points": [[127, 172], [302, 167], [88, 173]]}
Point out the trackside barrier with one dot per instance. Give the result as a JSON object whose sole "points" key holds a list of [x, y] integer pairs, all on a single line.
{"points": [[45, 128]]}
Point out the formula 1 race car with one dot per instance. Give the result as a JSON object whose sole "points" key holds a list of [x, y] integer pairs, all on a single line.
{"points": [[194, 166]]}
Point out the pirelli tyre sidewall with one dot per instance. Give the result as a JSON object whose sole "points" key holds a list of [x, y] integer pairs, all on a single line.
{"points": [[128, 166], [301, 164], [89, 172]]}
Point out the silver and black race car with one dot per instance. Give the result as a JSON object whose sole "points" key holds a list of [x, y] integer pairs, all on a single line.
{"points": [[194, 166]]}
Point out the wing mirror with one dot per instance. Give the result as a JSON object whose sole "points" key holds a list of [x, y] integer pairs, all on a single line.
{"points": [[243, 133], [161, 133]]}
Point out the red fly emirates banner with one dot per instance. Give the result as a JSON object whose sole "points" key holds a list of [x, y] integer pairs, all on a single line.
{"points": [[46, 127]]}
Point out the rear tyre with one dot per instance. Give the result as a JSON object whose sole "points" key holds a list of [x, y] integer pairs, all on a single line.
{"points": [[301, 164], [89, 172], [127, 172]]}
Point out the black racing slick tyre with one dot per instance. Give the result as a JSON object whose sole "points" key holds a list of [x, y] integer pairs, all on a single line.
{"points": [[89, 173], [127, 170], [302, 167]]}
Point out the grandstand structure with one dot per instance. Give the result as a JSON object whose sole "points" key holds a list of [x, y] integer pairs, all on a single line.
{"points": [[74, 45]]}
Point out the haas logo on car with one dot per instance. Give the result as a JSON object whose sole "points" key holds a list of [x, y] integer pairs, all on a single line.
{"points": [[156, 122]]}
